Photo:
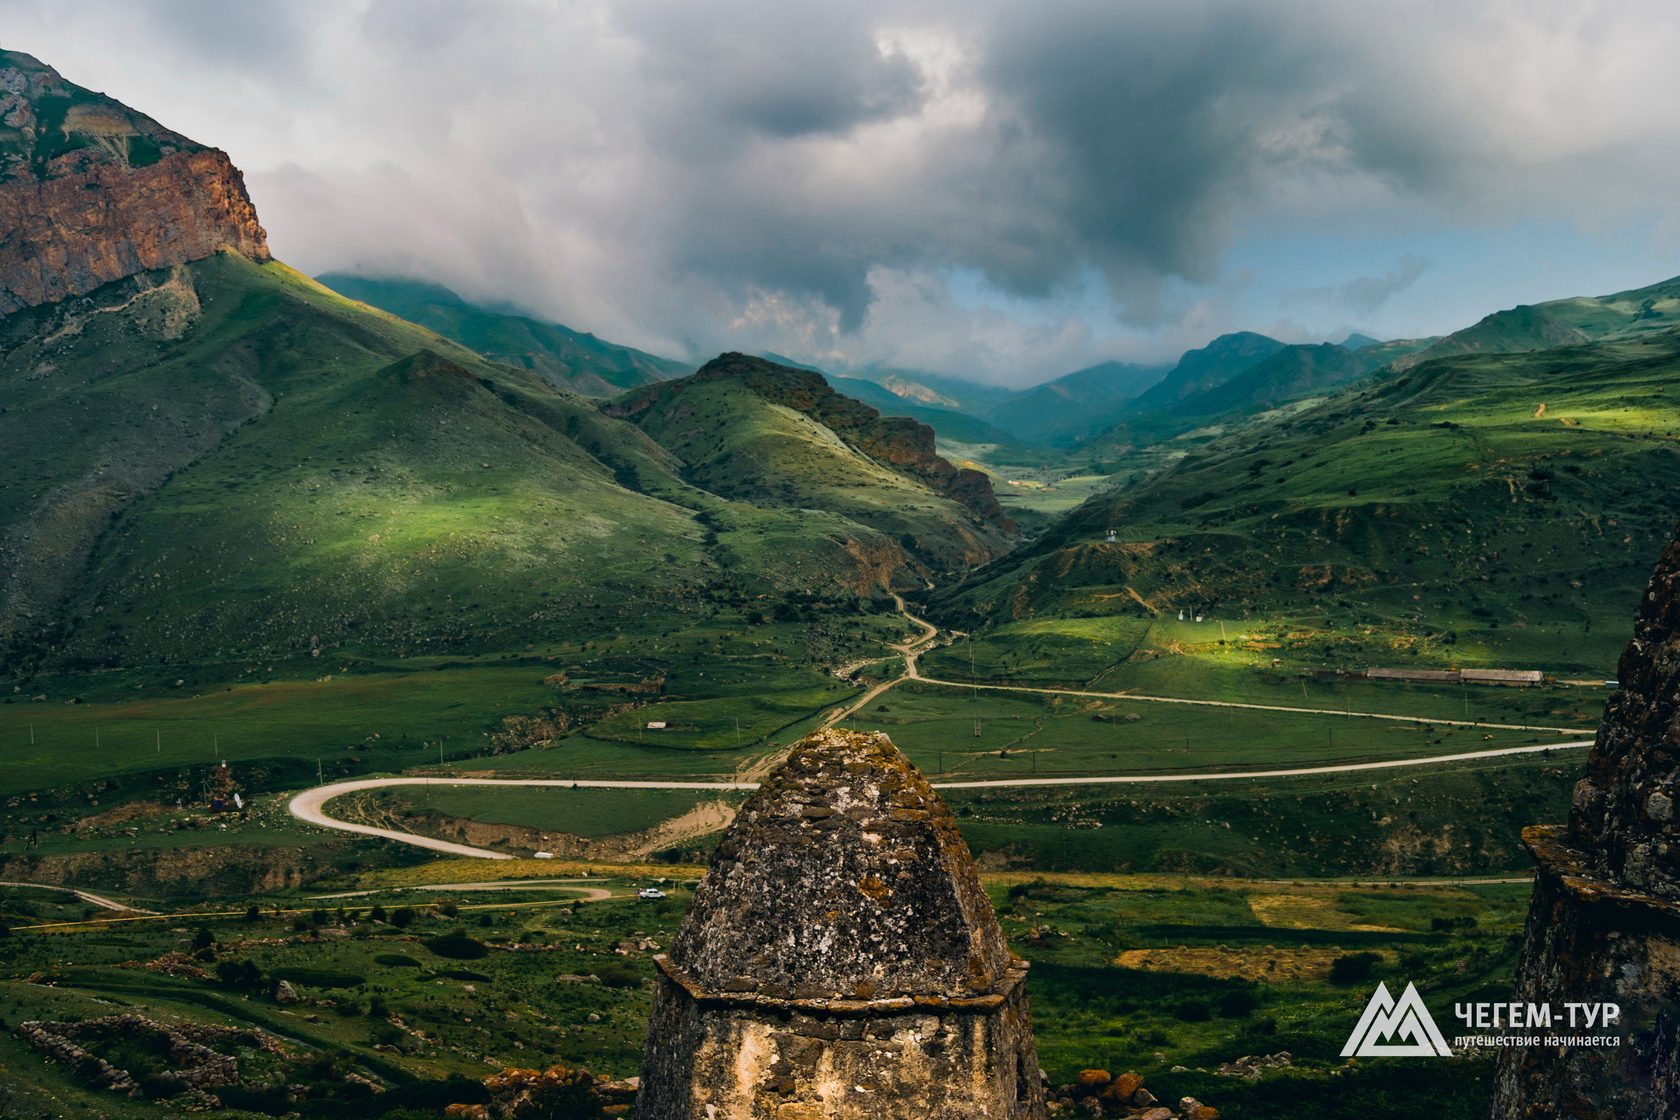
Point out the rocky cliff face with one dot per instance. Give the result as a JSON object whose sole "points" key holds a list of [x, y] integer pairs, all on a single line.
{"points": [[1604, 925], [91, 191]]}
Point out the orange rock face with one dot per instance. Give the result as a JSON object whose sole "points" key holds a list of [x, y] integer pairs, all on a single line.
{"points": [[92, 191], [93, 221]]}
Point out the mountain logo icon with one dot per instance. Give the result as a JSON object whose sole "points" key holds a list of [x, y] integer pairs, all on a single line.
{"points": [[1385, 1020]]}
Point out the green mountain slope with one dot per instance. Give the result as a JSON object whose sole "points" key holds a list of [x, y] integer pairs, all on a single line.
{"points": [[276, 470], [227, 462], [1075, 405], [779, 437], [1470, 507], [1206, 368], [572, 360], [1560, 322], [1289, 374]]}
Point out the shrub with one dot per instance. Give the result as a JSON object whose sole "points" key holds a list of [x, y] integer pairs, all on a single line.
{"points": [[1239, 1003], [321, 977], [239, 974], [1353, 967], [1193, 1010], [619, 974], [456, 945]]}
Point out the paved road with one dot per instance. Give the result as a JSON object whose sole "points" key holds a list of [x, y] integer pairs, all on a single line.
{"points": [[914, 674], [1342, 768], [309, 805], [590, 894], [85, 896]]}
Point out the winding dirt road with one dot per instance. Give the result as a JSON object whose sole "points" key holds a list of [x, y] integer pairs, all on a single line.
{"points": [[85, 896], [309, 805]]}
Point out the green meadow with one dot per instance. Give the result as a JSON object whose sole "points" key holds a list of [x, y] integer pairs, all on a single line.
{"points": [[426, 990]]}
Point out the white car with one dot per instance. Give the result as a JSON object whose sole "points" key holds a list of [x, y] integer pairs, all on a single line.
{"points": [[650, 892]]}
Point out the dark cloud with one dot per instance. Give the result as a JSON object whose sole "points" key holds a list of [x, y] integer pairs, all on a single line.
{"points": [[731, 72], [1152, 121], [810, 177]]}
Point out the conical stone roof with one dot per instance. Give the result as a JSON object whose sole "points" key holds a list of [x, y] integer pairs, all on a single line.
{"points": [[843, 877]]}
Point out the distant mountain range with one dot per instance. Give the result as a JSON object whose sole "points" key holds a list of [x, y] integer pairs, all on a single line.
{"points": [[212, 459], [1446, 507]]}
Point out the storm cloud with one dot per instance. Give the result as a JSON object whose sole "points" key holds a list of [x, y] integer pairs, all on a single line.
{"points": [[981, 189]]}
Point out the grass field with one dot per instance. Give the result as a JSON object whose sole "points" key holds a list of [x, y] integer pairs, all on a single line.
{"points": [[1022, 735], [1463, 819], [1130, 972]]}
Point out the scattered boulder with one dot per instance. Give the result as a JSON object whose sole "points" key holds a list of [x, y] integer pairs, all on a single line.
{"points": [[1251, 1067]]}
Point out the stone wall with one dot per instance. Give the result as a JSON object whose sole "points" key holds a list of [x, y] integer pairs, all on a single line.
{"points": [[1604, 924], [769, 1060], [841, 959]]}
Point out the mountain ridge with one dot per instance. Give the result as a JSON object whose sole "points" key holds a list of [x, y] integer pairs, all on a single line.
{"points": [[577, 361]]}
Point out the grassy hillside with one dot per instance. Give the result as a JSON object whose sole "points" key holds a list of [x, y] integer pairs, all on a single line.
{"points": [[1560, 322], [778, 437], [1075, 405], [1482, 509], [1289, 374], [570, 359], [230, 465], [291, 473]]}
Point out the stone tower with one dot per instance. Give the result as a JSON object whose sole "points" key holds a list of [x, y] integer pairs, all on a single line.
{"points": [[1604, 925], [840, 959]]}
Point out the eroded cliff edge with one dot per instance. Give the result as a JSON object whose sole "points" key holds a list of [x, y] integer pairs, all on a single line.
{"points": [[92, 191]]}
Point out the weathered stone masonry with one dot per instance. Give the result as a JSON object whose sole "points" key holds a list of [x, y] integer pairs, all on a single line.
{"points": [[841, 959], [1604, 924]]}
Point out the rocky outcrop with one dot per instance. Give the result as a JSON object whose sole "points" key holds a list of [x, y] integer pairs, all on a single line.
{"points": [[904, 444], [191, 1047], [841, 959], [92, 192], [1095, 1094], [1604, 924]]}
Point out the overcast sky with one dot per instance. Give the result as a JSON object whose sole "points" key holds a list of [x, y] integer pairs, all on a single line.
{"points": [[1001, 191]]}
